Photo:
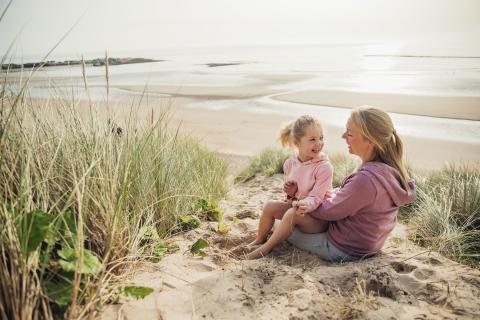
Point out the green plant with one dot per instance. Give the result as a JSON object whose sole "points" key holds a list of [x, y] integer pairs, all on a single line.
{"points": [[268, 162], [446, 213]]}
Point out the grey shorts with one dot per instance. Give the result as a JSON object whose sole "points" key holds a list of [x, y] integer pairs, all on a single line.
{"points": [[318, 244]]}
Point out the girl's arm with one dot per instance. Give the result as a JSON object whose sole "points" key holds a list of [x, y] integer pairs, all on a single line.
{"points": [[323, 184], [289, 186], [356, 193]]}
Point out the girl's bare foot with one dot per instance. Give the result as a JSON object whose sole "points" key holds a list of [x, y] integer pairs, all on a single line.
{"points": [[255, 243], [242, 251], [256, 254]]}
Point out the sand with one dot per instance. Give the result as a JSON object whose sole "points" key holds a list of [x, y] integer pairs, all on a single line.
{"points": [[433, 106], [402, 282]]}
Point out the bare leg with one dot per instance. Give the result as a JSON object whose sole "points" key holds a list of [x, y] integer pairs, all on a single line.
{"points": [[306, 224], [271, 211]]}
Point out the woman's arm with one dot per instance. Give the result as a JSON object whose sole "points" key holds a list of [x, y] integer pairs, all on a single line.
{"points": [[357, 192]]}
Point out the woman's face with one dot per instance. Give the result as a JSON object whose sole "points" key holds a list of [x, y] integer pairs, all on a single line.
{"points": [[357, 143]]}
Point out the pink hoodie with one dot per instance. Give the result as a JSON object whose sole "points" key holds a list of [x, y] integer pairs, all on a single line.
{"points": [[363, 211], [313, 178]]}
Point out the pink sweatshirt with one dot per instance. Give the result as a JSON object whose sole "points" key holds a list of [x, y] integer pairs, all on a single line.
{"points": [[313, 178], [363, 211]]}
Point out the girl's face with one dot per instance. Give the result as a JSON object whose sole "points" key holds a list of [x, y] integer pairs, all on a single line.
{"points": [[357, 143], [311, 144]]}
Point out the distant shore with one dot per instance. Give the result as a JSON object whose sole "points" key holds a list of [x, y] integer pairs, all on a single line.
{"points": [[93, 62]]}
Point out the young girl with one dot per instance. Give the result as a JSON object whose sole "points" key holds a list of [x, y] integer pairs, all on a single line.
{"points": [[308, 181]]}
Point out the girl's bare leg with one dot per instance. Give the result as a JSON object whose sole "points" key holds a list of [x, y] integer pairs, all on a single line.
{"points": [[306, 224], [271, 211]]}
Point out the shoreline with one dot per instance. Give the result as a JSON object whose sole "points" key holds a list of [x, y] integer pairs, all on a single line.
{"points": [[462, 108], [241, 134]]}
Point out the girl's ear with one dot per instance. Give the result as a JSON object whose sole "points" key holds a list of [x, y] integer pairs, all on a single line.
{"points": [[296, 142]]}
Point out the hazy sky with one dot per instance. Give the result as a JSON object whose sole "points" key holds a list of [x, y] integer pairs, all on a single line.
{"points": [[128, 25]]}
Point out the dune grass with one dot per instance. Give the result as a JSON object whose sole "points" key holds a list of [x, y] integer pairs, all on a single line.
{"points": [[268, 162], [82, 201], [446, 214]]}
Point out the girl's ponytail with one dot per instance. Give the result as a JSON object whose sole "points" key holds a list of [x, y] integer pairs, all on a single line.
{"points": [[286, 135]]}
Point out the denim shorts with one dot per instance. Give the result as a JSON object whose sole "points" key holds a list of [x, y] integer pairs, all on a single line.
{"points": [[318, 244]]}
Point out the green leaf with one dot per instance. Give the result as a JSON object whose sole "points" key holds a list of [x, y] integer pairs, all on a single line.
{"points": [[90, 263], [197, 247], [201, 205], [136, 291], [64, 229], [32, 229], [59, 291], [160, 249], [214, 214], [189, 222]]}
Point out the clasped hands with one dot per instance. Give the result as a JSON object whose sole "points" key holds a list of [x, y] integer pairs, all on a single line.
{"points": [[290, 188]]}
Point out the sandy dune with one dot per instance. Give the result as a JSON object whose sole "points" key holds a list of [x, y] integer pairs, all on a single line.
{"points": [[403, 282]]}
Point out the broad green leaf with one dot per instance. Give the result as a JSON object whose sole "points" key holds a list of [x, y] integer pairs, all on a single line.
{"points": [[63, 229], [90, 263], [197, 247], [189, 222], [32, 229], [59, 291], [136, 291], [214, 214], [160, 249], [201, 205]]}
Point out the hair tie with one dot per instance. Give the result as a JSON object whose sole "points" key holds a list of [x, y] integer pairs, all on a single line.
{"points": [[392, 136]]}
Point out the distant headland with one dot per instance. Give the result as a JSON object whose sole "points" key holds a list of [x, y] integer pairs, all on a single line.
{"points": [[93, 62]]}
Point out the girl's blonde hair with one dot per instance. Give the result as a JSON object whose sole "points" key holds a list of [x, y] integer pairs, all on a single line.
{"points": [[295, 130], [377, 126]]}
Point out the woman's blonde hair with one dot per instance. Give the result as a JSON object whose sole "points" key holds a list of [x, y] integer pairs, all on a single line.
{"points": [[295, 130], [377, 126]]}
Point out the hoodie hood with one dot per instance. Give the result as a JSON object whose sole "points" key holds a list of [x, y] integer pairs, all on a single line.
{"points": [[388, 178]]}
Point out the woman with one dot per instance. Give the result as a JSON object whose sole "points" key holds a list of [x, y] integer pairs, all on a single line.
{"points": [[362, 212]]}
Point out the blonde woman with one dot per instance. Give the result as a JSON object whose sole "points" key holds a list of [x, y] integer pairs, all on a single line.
{"points": [[363, 211]]}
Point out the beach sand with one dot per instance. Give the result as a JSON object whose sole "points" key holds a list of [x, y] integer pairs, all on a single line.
{"points": [[402, 282], [433, 106]]}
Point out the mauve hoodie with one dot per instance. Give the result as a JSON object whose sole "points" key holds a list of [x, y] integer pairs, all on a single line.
{"points": [[363, 211]]}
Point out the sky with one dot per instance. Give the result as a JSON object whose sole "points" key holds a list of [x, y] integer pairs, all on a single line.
{"points": [[35, 26]]}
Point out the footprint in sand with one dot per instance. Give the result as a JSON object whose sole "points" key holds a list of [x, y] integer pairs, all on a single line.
{"points": [[423, 273], [402, 267], [246, 213], [199, 266]]}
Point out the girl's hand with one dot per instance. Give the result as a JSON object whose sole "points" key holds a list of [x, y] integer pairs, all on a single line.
{"points": [[290, 188], [300, 207]]}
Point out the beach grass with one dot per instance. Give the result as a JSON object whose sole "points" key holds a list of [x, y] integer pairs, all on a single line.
{"points": [[268, 162], [83, 201], [446, 214]]}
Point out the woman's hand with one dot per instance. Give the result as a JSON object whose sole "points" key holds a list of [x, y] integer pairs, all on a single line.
{"points": [[290, 188], [300, 207]]}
